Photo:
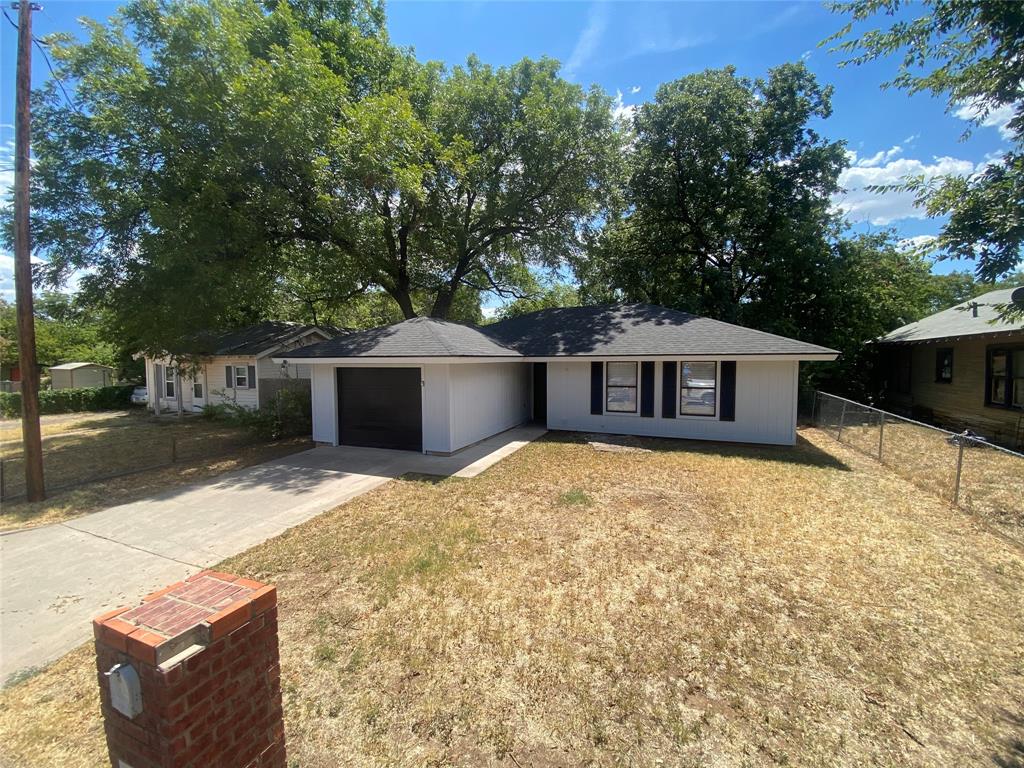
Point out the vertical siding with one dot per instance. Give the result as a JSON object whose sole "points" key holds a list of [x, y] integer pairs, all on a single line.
{"points": [[324, 394], [266, 368], [765, 406], [487, 398], [437, 410]]}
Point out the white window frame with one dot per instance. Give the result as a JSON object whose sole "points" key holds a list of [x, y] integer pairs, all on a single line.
{"points": [[243, 378], [201, 389], [679, 390], [170, 383], [636, 387]]}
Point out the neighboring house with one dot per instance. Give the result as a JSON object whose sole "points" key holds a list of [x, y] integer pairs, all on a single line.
{"points": [[962, 367], [437, 387], [239, 370], [80, 375]]}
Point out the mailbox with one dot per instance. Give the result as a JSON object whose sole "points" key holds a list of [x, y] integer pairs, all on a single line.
{"points": [[125, 690]]}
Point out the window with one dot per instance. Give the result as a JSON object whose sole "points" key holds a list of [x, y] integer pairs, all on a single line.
{"points": [[169, 374], [197, 390], [697, 383], [1005, 377], [620, 392], [241, 377], [944, 365]]}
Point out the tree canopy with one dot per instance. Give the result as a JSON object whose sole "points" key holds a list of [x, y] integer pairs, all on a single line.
{"points": [[973, 54]]}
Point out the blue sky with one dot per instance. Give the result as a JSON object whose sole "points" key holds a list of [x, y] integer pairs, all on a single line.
{"points": [[628, 49]]}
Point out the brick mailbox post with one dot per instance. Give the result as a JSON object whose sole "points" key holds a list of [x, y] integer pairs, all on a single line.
{"points": [[190, 677]]}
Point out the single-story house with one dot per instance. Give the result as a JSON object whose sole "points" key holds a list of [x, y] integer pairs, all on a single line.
{"points": [[435, 386], [239, 369], [79, 375], [962, 367]]}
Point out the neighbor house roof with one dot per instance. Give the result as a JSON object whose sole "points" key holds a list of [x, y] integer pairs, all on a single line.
{"points": [[976, 317], [417, 337], [76, 366], [626, 330], [637, 330], [260, 337]]}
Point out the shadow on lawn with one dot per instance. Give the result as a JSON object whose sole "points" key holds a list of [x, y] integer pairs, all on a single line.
{"points": [[1012, 755], [804, 452]]}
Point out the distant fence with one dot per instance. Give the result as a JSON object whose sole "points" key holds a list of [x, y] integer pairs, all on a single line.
{"points": [[74, 465], [968, 471]]}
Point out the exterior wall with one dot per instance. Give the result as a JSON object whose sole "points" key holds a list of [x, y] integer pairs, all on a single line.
{"points": [[215, 386], [960, 403], [324, 397], [486, 398], [79, 378], [765, 406], [437, 407]]}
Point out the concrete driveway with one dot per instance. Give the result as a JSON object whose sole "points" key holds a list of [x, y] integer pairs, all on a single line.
{"points": [[55, 578]]}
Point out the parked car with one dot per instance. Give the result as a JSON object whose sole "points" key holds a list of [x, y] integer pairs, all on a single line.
{"points": [[140, 396]]}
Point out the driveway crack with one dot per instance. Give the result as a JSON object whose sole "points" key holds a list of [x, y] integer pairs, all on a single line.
{"points": [[130, 546]]}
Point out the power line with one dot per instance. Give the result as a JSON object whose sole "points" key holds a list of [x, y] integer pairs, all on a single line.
{"points": [[49, 65]]}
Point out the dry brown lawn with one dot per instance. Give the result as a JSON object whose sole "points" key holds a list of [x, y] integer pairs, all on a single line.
{"points": [[696, 605], [93, 461]]}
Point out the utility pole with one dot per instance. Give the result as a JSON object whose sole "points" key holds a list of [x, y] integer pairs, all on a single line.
{"points": [[31, 437]]}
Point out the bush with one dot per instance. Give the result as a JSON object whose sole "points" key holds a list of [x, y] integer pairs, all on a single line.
{"points": [[289, 415], [71, 400]]}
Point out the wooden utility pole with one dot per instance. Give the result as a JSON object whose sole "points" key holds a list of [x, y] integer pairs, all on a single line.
{"points": [[31, 437]]}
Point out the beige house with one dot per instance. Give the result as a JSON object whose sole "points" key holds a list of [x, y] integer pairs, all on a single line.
{"points": [[239, 370], [962, 368], [80, 375]]}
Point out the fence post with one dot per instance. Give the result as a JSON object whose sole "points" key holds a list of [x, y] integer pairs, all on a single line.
{"points": [[814, 409], [959, 468], [842, 419], [881, 434]]}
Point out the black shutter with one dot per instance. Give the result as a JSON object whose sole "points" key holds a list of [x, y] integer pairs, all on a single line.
{"points": [[647, 389], [229, 377], [668, 389], [158, 384], [728, 398], [597, 388], [252, 377]]}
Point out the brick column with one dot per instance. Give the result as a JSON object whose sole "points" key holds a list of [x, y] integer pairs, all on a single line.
{"points": [[203, 655]]}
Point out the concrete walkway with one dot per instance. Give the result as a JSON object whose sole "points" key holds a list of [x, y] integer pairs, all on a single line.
{"points": [[55, 578]]}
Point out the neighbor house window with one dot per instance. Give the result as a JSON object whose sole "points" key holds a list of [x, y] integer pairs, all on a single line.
{"points": [[620, 392], [697, 382], [944, 365], [241, 377], [1005, 376], [169, 382]]}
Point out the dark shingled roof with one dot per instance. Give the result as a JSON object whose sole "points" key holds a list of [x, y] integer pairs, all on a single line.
{"points": [[637, 330], [631, 330], [418, 337], [257, 338], [981, 316]]}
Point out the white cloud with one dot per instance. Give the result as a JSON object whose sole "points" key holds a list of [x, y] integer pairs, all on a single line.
{"points": [[489, 312], [884, 208], [635, 89], [882, 156], [915, 242], [589, 39], [998, 118], [622, 112]]}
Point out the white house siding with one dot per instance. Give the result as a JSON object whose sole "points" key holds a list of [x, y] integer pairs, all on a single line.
{"points": [[486, 398], [324, 383], [765, 406], [219, 390], [437, 407]]}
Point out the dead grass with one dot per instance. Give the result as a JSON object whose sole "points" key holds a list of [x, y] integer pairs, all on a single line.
{"points": [[713, 605], [115, 458]]}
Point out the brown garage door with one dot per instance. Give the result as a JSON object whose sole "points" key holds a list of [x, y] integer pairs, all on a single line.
{"points": [[380, 408]]}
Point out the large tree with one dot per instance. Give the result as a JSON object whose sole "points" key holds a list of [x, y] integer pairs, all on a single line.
{"points": [[972, 53], [729, 185], [220, 155]]}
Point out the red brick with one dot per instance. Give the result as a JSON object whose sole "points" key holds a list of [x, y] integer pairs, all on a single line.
{"points": [[98, 620], [230, 618], [162, 592], [114, 632], [253, 585], [142, 645], [263, 599]]}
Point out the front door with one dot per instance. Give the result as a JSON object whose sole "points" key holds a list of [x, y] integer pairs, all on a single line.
{"points": [[199, 392], [540, 393]]}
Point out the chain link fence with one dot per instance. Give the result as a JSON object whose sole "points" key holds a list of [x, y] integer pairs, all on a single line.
{"points": [[968, 471], [73, 465]]}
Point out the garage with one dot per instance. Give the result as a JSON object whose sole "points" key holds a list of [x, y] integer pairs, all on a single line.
{"points": [[380, 408]]}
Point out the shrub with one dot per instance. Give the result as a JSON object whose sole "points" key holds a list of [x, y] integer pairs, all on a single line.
{"points": [[288, 415], [71, 400]]}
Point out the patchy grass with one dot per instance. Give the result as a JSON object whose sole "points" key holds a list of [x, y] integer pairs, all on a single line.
{"points": [[714, 605], [575, 497], [85, 450]]}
